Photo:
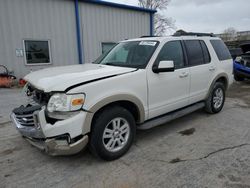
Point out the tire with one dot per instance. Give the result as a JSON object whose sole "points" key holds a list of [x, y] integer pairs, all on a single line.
{"points": [[116, 141], [238, 78], [214, 105]]}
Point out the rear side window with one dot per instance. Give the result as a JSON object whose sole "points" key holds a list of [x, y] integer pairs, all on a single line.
{"points": [[205, 51], [194, 52], [221, 50]]}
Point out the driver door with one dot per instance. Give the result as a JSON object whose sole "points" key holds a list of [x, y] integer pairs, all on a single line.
{"points": [[168, 91]]}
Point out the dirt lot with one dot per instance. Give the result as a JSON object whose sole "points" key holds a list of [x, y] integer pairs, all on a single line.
{"points": [[198, 150]]}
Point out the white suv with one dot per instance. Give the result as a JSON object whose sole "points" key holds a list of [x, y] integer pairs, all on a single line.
{"points": [[139, 84]]}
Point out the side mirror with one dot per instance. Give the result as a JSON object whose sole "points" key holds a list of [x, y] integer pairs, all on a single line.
{"points": [[164, 66]]}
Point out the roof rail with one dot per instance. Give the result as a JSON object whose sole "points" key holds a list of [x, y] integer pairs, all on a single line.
{"points": [[146, 36], [184, 33]]}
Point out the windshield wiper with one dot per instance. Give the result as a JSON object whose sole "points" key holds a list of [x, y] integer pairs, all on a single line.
{"points": [[111, 64], [121, 65]]}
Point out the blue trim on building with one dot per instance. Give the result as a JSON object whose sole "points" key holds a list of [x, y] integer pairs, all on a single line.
{"points": [[117, 5], [151, 24], [109, 4], [78, 33]]}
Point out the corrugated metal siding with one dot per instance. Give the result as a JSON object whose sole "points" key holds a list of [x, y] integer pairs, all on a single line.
{"points": [[55, 20], [107, 24], [37, 19]]}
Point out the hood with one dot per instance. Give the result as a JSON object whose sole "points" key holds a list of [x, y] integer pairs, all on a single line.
{"points": [[61, 78]]}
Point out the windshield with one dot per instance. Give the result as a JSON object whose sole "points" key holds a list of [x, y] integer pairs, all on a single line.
{"points": [[134, 54]]}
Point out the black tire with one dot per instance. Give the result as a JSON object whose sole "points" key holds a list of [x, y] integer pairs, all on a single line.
{"points": [[210, 106], [238, 78], [100, 122]]}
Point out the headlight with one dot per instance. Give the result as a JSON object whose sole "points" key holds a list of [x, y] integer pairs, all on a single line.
{"points": [[61, 102], [238, 59]]}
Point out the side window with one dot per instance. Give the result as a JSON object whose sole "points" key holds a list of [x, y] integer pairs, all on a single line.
{"points": [[194, 52], [221, 50], [205, 51], [172, 51]]}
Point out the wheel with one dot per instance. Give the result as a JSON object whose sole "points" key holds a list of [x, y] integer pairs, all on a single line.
{"points": [[216, 99], [113, 132], [238, 78]]}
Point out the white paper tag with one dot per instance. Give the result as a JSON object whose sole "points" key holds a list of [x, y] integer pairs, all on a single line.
{"points": [[147, 43]]}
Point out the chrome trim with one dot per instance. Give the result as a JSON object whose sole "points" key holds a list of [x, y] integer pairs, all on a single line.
{"points": [[27, 131], [21, 116], [25, 120]]}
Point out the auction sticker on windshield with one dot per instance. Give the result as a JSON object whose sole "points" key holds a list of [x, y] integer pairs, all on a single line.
{"points": [[148, 43]]}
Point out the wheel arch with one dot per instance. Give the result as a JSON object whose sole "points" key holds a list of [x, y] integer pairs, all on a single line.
{"points": [[222, 77], [129, 102]]}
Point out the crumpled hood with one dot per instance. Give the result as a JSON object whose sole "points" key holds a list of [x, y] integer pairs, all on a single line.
{"points": [[61, 78]]}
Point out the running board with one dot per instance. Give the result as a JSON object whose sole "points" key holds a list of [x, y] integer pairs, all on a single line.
{"points": [[170, 116]]}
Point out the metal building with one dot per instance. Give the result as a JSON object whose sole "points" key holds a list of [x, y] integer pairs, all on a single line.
{"points": [[35, 34]]}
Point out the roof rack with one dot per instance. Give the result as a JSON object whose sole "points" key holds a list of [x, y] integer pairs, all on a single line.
{"points": [[146, 36], [184, 33]]}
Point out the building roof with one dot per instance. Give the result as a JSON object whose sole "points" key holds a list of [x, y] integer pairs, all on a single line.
{"points": [[122, 6]]}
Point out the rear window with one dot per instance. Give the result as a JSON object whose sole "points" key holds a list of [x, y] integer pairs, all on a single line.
{"points": [[221, 50]]}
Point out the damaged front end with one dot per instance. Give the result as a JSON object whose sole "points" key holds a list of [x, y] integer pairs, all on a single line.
{"points": [[54, 136]]}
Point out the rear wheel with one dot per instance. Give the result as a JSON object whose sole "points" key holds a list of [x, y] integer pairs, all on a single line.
{"points": [[112, 133], [216, 98]]}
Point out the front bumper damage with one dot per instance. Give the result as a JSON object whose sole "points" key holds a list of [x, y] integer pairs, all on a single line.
{"points": [[59, 138], [59, 147]]}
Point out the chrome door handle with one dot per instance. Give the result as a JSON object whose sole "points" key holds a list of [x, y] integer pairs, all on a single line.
{"points": [[212, 68], [183, 74]]}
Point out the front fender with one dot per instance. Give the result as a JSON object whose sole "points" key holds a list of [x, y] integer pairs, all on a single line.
{"points": [[111, 99]]}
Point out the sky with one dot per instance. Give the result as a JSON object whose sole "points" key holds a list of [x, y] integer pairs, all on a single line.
{"points": [[206, 15]]}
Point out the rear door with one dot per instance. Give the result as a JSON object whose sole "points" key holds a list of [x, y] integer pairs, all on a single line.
{"points": [[202, 69]]}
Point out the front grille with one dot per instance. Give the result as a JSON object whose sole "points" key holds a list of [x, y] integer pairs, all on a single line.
{"points": [[26, 120], [26, 115]]}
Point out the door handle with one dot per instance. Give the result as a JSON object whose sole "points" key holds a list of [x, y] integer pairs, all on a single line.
{"points": [[183, 74], [212, 68]]}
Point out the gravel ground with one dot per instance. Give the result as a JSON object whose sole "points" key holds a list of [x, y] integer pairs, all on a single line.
{"points": [[198, 150]]}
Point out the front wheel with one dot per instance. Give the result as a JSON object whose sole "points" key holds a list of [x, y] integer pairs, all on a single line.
{"points": [[216, 98], [112, 133]]}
